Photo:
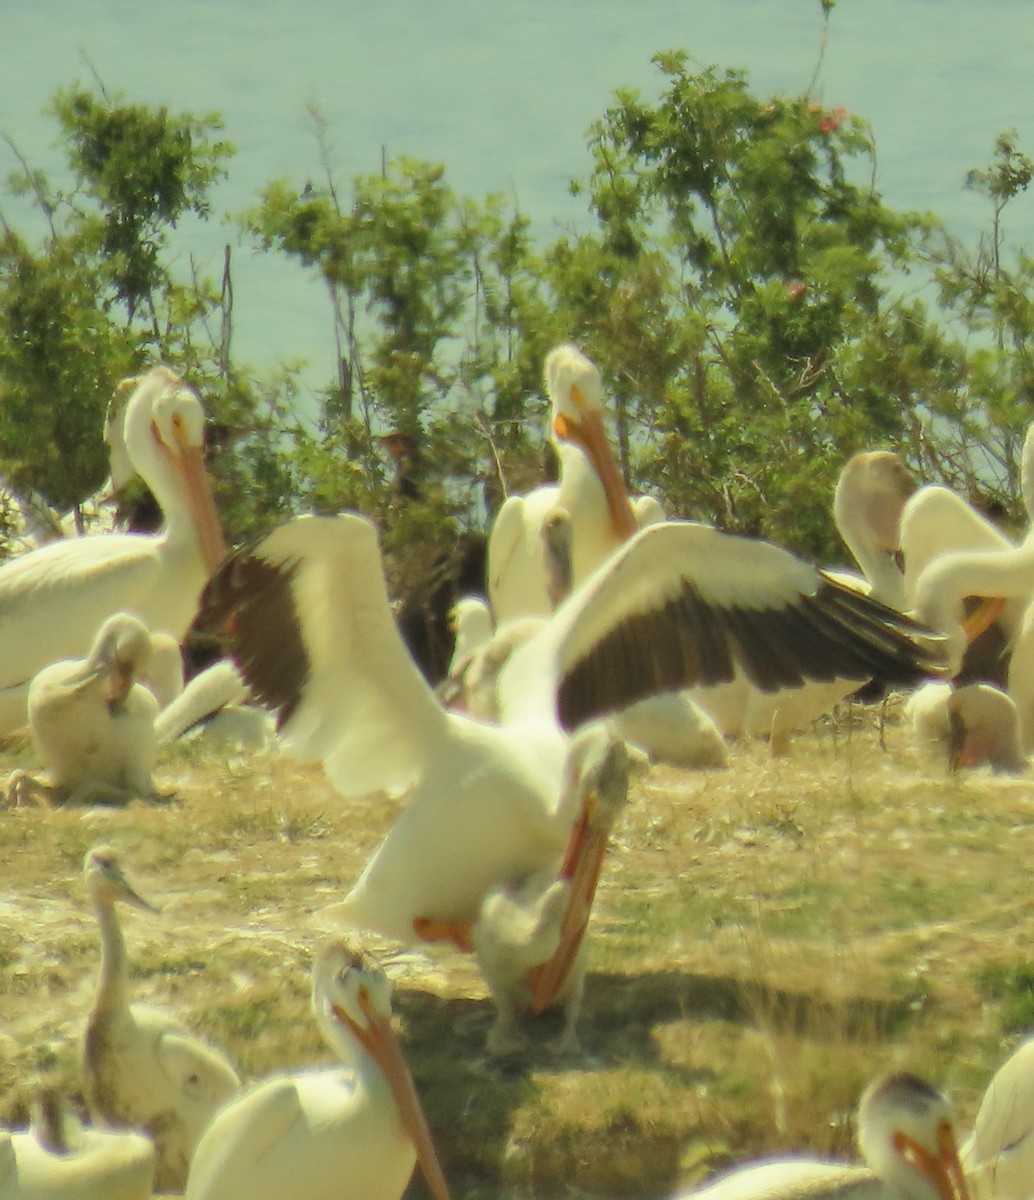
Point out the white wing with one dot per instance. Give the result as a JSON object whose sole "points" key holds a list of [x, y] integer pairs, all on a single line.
{"points": [[682, 604], [312, 595]]}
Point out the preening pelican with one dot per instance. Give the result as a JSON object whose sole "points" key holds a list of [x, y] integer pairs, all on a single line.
{"points": [[93, 724], [590, 489], [906, 1136], [967, 726], [528, 935], [311, 629], [144, 1070], [63, 1161], [327, 1134], [52, 600], [999, 1153]]}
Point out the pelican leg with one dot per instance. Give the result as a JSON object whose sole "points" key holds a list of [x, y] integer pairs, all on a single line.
{"points": [[503, 1038], [25, 790], [566, 1044]]}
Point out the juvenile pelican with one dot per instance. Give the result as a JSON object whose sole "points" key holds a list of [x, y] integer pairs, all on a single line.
{"points": [[52, 600], [528, 935], [906, 1136], [144, 1070], [93, 724], [968, 726], [83, 1164], [327, 1134]]}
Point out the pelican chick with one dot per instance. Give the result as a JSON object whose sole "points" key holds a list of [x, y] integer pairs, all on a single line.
{"points": [[906, 1136], [144, 1070], [530, 928], [969, 726], [57, 1159], [325, 1134], [92, 723]]}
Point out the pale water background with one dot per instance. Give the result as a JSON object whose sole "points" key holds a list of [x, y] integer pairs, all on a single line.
{"points": [[502, 95]]}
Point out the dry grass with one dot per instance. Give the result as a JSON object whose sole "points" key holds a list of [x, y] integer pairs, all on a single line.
{"points": [[767, 938]]}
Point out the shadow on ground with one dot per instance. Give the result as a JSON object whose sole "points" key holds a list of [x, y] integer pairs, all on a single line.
{"points": [[478, 1107]]}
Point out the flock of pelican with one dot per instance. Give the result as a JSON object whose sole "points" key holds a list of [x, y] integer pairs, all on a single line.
{"points": [[609, 635]]}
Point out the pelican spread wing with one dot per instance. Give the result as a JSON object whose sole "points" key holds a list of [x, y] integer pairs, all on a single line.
{"points": [[682, 604], [315, 638]]}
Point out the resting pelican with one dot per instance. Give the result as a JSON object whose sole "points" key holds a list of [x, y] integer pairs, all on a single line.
{"points": [[999, 1153], [214, 702], [53, 1163], [591, 490], [326, 1134], [528, 935], [93, 724], [967, 726], [53, 599], [311, 628], [144, 1070], [906, 1136]]}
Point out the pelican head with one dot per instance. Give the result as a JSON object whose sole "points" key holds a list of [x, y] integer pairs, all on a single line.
{"points": [[576, 392], [107, 881], [351, 997], [876, 484], [121, 652], [575, 389], [906, 1134], [165, 424]]}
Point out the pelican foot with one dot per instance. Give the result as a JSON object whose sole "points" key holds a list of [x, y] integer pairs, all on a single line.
{"points": [[504, 1042], [566, 1045], [26, 791]]}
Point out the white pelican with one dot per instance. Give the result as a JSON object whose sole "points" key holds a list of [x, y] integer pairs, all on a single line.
{"points": [[590, 488], [528, 935], [332, 1133], [906, 1136], [999, 1154], [967, 726], [308, 614], [143, 1069], [868, 506], [63, 1161], [93, 724], [53, 599]]}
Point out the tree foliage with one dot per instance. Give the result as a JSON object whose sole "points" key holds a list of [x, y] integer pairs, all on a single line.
{"points": [[97, 301], [756, 309]]}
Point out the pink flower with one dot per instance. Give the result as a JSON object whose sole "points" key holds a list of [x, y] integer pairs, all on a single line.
{"points": [[833, 119]]}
